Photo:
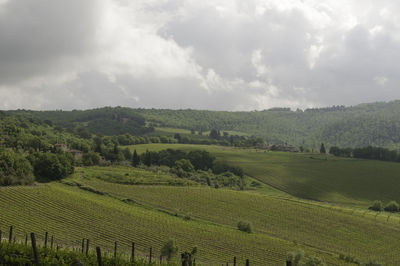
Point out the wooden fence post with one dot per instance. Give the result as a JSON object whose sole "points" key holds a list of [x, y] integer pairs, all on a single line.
{"points": [[247, 262], [87, 247], [151, 251], [46, 235], [35, 252], [83, 245], [10, 234], [52, 242], [98, 251], [133, 252], [115, 249], [234, 261]]}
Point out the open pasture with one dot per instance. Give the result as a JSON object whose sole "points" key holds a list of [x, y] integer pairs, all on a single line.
{"points": [[310, 176]]}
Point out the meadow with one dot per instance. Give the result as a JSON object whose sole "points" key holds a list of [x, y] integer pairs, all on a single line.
{"points": [[311, 176]]}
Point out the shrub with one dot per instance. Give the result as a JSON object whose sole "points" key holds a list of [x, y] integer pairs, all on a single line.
{"points": [[295, 257], [392, 206], [53, 166], [377, 206], [15, 169], [185, 165], [169, 249], [91, 158], [299, 258], [244, 226]]}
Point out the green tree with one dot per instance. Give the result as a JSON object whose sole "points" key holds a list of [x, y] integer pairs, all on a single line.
{"points": [[244, 226], [377, 206], [147, 158], [169, 249], [135, 159], [214, 134], [322, 149], [127, 154], [185, 165], [392, 206], [91, 158], [15, 169], [53, 166]]}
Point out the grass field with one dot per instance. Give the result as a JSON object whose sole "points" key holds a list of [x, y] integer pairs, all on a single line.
{"points": [[310, 176]]}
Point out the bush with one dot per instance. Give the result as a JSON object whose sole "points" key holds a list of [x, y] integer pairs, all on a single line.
{"points": [[392, 206], [91, 158], [377, 206], [244, 226], [169, 249], [299, 258], [295, 257], [15, 169], [185, 165], [53, 166]]}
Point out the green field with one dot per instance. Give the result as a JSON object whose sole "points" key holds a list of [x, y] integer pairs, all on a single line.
{"points": [[311, 202], [70, 214], [329, 229], [310, 176]]}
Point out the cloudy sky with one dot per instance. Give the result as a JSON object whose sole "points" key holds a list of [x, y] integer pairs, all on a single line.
{"points": [[217, 54]]}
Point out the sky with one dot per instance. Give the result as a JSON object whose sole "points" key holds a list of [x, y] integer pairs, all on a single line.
{"points": [[218, 55]]}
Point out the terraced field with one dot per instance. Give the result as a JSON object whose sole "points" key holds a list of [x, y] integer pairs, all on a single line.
{"points": [[71, 214], [310, 176]]}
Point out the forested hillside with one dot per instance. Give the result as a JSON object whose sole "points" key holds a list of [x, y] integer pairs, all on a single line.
{"points": [[375, 124], [105, 121]]}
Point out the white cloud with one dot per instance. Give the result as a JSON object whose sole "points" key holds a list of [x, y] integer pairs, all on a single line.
{"points": [[381, 81], [219, 54]]}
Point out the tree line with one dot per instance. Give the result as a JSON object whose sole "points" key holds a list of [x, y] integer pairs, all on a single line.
{"points": [[369, 152], [196, 165]]}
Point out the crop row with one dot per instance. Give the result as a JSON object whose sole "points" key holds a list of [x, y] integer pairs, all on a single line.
{"points": [[307, 224], [71, 214]]}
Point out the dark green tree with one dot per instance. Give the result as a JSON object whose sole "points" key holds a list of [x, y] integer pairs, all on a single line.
{"points": [[147, 158], [377, 206], [392, 206], [135, 159], [244, 226], [53, 166], [214, 134], [322, 149]]}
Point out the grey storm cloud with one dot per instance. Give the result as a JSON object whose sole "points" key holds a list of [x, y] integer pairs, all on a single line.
{"points": [[41, 36], [220, 55]]}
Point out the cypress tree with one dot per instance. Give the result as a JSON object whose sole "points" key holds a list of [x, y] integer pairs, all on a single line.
{"points": [[322, 149], [135, 159]]}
